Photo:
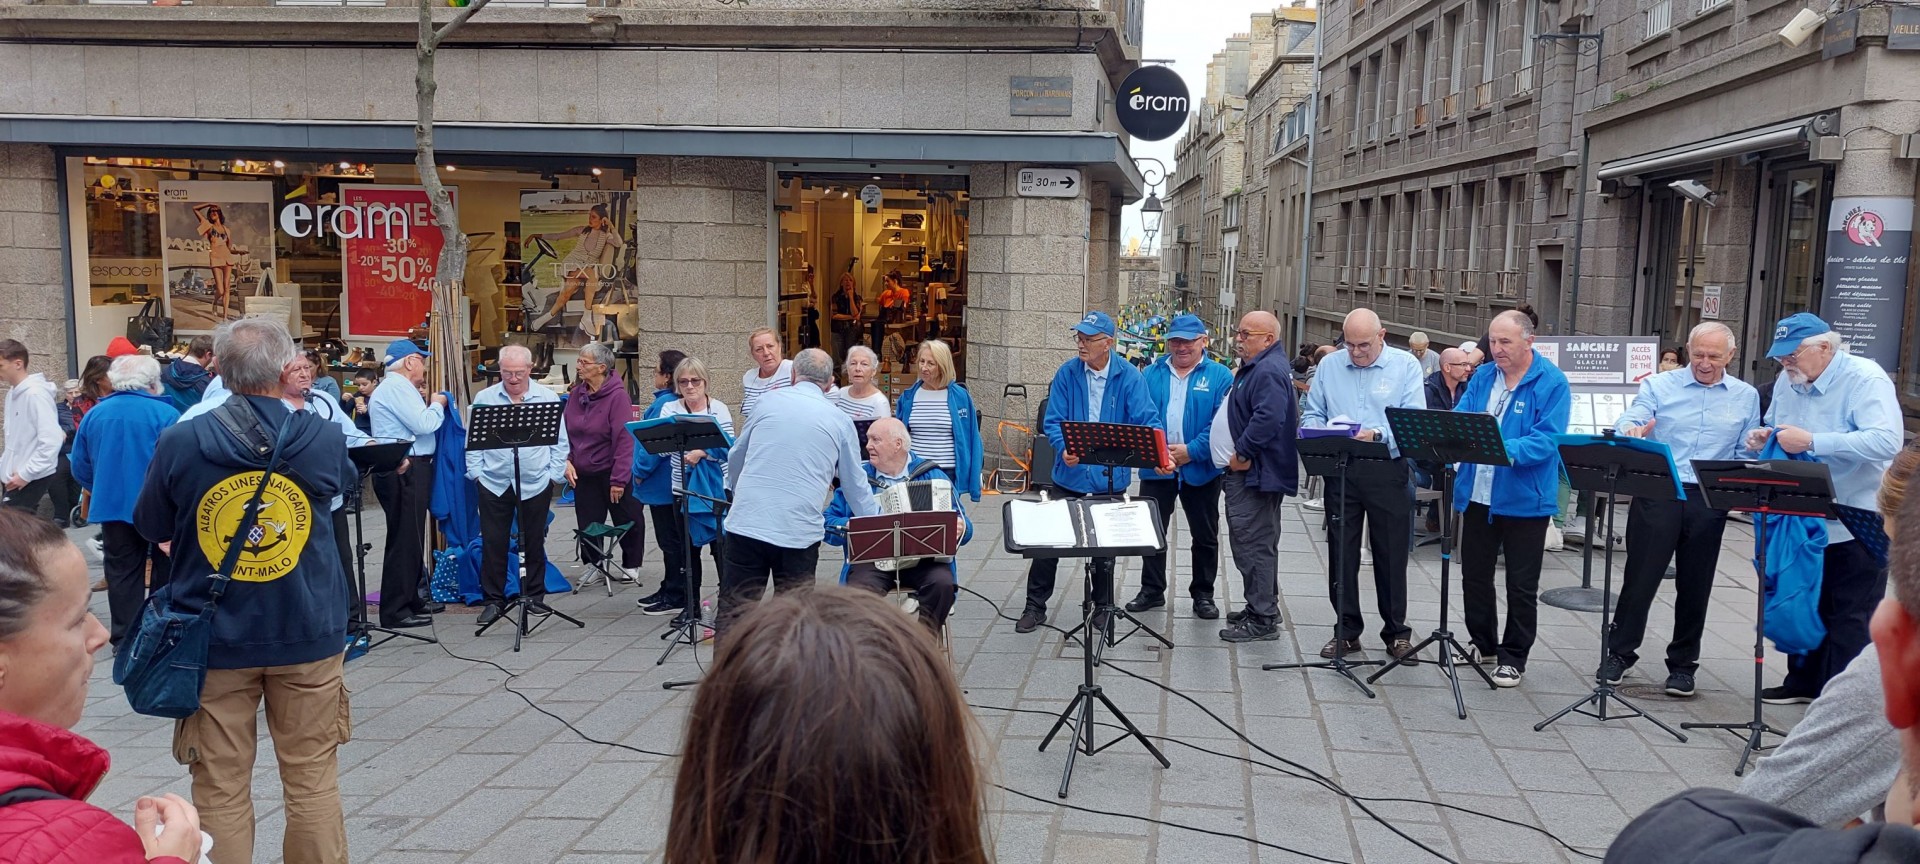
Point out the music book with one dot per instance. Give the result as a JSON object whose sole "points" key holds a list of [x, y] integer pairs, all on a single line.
{"points": [[1042, 523], [1124, 523]]}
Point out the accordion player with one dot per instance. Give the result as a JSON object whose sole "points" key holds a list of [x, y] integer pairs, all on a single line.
{"points": [[903, 483]]}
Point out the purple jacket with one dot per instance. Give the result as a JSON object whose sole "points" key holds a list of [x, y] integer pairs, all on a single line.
{"points": [[597, 429]]}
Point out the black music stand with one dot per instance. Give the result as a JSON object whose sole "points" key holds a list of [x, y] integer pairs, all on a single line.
{"points": [[1446, 437], [369, 458], [1780, 487], [511, 427], [1116, 445], [1086, 545], [1330, 457], [1611, 465], [675, 437]]}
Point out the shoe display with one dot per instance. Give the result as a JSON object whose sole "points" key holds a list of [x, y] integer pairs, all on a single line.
{"points": [[490, 614], [1204, 608], [1403, 648], [1782, 696], [1612, 670], [1251, 629], [1141, 603], [663, 607], [1338, 647], [1680, 684], [1030, 621], [1506, 676]]}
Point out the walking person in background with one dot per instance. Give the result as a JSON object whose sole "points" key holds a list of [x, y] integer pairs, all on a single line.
{"points": [[1188, 387], [400, 413], [1420, 346], [185, 379], [600, 456], [110, 458], [940, 416], [770, 370], [30, 456], [700, 472]]}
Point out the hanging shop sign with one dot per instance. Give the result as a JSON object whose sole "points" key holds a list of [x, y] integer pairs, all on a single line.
{"points": [[1604, 373], [217, 249], [389, 255], [1040, 97], [871, 196], [1152, 104], [1048, 183], [1903, 28], [1840, 35], [1710, 303], [1868, 242]]}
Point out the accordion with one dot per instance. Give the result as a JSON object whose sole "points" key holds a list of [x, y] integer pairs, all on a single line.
{"points": [[913, 496]]}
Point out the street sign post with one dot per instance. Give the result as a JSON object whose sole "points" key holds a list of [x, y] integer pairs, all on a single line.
{"points": [[1049, 183]]}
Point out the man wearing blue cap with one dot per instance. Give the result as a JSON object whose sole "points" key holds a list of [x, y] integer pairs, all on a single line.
{"points": [[399, 413], [1188, 388], [1095, 386], [1360, 382], [1843, 411]]}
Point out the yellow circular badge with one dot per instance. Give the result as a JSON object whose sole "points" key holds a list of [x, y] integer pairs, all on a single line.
{"points": [[280, 529]]}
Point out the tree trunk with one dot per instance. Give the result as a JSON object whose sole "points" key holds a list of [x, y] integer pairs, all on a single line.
{"points": [[445, 331]]}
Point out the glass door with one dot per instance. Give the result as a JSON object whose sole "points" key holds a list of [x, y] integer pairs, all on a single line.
{"points": [[1677, 252]]}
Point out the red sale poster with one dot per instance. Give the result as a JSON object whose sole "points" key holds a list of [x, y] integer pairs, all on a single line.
{"points": [[390, 253]]}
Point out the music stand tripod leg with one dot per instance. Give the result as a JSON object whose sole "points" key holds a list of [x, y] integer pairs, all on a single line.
{"points": [[1442, 635], [1339, 663], [363, 627], [687, 631], [1756, 727]]}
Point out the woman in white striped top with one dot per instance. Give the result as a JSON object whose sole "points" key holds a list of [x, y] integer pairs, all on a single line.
{"points": [[860, 399]]}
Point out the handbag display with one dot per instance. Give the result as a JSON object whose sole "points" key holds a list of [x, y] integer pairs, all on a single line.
{"points": [[149, 327], [163, 667]]}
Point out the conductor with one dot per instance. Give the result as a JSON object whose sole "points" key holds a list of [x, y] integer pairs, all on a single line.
{"points": [[540, 468]]}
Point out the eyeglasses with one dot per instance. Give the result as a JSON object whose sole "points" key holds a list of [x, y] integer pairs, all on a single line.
{"points": [[515, 373], [585, 362], [689, 382], [1460, 363], [1249, 334]]}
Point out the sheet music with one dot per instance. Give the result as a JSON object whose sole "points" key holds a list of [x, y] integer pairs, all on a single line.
{"points": [[1042, 523], [1128, 523]]}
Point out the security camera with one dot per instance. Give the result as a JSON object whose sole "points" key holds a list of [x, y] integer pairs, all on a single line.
{"points": [[1695, 190], [1801, 28]]}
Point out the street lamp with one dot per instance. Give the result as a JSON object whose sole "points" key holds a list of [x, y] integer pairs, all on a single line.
{"points": [[1152, 211]]}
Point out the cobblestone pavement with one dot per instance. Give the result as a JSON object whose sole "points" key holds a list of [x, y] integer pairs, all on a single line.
{"points": [[447, 766]]}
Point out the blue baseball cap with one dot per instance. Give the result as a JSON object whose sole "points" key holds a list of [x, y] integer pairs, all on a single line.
{"points": [[1794, 328], [1186, 326], [401, 349], [1095, 324]]}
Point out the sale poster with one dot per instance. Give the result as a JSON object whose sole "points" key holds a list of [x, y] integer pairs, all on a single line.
{"points": [[390, 253], [216, 248]]}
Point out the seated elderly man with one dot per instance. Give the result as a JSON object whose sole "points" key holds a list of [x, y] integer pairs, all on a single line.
{"points": [[890, 462]]}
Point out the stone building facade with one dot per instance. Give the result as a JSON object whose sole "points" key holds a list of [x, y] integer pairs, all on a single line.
{"points": [[1279, 103], [735, 148]]}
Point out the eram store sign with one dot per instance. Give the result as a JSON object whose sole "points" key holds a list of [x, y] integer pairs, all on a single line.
{"points": [[1152, 104], [356, 221]]}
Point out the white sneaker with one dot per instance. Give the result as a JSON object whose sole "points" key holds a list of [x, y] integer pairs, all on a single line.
{"points": [[1506, 676], [1313, 504], [1556, 540], [630, 574]]}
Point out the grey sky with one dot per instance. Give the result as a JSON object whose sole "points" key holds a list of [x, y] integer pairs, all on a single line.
{"points": [[1188, 32]]}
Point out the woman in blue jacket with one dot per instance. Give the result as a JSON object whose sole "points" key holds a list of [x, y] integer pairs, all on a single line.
{"points": [[653, 483], [950, 438], [1506, 510]]}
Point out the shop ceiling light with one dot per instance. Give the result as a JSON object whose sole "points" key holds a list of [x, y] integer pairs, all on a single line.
{"points": [[279, 164], [596, 172]]}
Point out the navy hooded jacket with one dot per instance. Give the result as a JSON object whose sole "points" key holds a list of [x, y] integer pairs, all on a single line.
{"points": [[1263, 413], [287, 603]]}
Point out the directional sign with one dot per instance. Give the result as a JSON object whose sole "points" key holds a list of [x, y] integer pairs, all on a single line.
{"points": [[1049, 183]]}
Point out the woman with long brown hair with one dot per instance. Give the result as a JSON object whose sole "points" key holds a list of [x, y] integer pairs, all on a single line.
{"points": [[830, 730]]}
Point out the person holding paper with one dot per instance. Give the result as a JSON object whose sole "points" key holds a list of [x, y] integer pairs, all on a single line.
{"points": [[1699, 411], [1188, 387], [1507, 509], [1097, 385], [890, 462], [1843, 411], [1361, 381], [504, 503]]}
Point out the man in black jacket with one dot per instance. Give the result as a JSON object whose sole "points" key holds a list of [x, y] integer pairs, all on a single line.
{"points": [[1445, 383], [1709, 826], [1264, 421]]}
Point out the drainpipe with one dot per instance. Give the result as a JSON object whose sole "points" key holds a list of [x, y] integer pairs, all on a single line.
{"points": [[1306, 223]]}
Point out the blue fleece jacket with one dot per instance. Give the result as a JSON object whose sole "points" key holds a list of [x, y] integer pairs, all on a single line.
{"points": [[1537, 411], [838, 512], [1207, 387], [113, 447], [968, 452], [1125, 401], [653, 475]]}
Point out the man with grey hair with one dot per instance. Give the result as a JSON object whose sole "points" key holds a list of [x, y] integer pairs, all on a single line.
{"points": [[400, 414], [1700, 412], [110, 456], [503, 501], [1843, 411], [1420, 347], [280, 633], [933, 581], [780, 475]]}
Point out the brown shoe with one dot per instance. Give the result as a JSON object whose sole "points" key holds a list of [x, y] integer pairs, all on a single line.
{"points": [[1402, 650], [100, 585], [1338, 647]]}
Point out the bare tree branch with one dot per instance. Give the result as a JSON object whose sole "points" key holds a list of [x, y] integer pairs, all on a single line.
{"points": [[446, 332], [453, 23]]}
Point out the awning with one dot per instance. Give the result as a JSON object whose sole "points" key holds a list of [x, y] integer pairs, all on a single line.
{"points": [[1790, 133]]}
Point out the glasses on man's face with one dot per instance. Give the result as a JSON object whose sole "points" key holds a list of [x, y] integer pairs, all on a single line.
{"points": [[1794, 358], [515, 373], [1244, 333], [689, 382], [1460, 363]]}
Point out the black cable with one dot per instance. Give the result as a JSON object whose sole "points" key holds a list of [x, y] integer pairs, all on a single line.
{"points": [[1152, 821], [1299, 770]]}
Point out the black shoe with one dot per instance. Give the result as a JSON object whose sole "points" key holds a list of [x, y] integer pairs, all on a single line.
{"points": [[1102, 621], [1237, 615], [1680, 684], [1141, 603], [683, 619], [491, 613], [662, 607], [1402, 650], [538, 607], [1612, 670], [649, 600], [408, 622], [1338, 647], [1251, 629], [1030, 621], [1782, 696], [1203, 607], [432, 608]]}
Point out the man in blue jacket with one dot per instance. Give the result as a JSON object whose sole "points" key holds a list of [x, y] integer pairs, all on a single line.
{"points": [[890, 462], [110, 456], [1099, 386], [1188, 387], [1263, 420], [1509, 508]]}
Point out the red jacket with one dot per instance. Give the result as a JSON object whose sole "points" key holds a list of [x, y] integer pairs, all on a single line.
{"points": [[59, 832]]}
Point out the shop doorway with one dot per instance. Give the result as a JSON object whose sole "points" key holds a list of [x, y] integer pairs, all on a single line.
{"points": [[873, 259], [1677, 235], [1795, 262]]}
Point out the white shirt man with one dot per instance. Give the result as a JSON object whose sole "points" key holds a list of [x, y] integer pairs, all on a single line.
{"points": [[33, 436]]}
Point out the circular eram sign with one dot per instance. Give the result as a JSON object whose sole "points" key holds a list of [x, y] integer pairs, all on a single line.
{"points": [[1152, 103]]}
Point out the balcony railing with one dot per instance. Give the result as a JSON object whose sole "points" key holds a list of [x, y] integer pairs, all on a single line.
{"points": [[1420, 115], [1658, 17], [1523, 79], [1482, 94], [1393, 123], [1709, 5], [1450, 105]]}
